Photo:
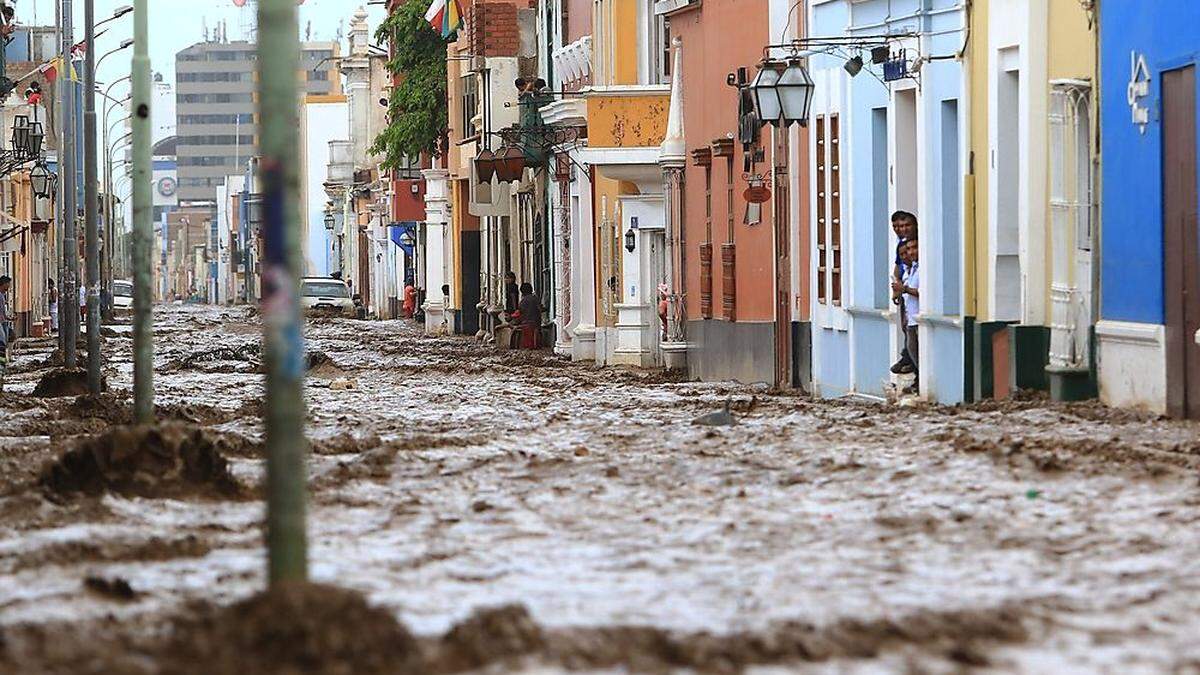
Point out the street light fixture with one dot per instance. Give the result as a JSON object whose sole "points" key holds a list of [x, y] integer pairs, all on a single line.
{"points": [[329, 221], [125, 44], [765, 95], [42, 181], [630, 240], [795, 89], [117, 13], [510, 164]]}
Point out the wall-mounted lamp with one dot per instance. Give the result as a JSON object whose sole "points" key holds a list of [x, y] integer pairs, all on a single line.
{"points": [[630, 240]]}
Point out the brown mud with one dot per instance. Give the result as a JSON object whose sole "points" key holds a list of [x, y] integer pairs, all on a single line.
{"points": [[62, 382], [510, 511], [169, 460]]}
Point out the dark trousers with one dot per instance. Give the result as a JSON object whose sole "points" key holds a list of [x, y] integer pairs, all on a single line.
{"points": [[904, 354], [912, 347]]}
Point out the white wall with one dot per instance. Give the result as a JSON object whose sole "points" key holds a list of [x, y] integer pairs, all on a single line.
{"points": [[320, 123]]}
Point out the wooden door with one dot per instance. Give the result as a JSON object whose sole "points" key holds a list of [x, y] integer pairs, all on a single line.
{"points": [[1181, 244]]}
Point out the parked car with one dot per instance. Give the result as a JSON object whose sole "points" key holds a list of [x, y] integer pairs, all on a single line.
{"points": [[122, 295], [325, 295]]}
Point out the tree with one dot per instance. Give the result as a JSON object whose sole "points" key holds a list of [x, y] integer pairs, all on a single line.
{"points": [[417, 110]]}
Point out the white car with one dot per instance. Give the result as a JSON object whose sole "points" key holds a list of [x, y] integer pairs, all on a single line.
{"points": [[325, 295], [122, 295]]}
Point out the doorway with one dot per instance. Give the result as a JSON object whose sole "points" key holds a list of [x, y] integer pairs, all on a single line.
{"points": [[1181, 248], [1006, 158]]}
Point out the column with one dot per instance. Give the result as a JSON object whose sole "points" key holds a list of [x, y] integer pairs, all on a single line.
{"points": [[437, 219]]}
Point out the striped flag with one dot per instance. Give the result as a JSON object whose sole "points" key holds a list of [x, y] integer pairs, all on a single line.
{"points": [[445, 16]]}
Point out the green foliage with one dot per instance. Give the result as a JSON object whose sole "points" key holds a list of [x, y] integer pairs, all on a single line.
{"points": [[417, 110]]}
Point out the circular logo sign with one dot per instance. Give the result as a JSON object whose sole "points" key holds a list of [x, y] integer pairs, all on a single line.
{"points": [[167, 186]]}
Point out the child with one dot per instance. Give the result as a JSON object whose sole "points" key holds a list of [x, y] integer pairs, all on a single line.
{"points": [[909, 289], [904, 224]]}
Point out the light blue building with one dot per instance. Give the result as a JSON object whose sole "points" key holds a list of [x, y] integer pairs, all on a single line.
{"points": [[1148, 337], [878, 147]]}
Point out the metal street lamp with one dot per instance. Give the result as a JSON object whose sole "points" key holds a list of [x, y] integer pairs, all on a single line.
{"points": [[20, 134], [485, 165], [125, 44], [117, 13], [795, 89], [42, 181], [765, 95], [510, 164], [630, 240], [329, 221]]}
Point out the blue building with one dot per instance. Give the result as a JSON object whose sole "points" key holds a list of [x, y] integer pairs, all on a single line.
{"points": [[879, 147], [1150, 257]]}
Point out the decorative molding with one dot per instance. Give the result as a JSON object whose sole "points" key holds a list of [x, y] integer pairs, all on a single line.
{"points": [[1145, 334]]}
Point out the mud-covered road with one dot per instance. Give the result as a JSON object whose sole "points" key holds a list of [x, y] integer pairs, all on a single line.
{"points": [[831, 536]]}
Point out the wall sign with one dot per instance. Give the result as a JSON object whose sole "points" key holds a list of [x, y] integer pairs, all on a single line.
{"points": [[1138, 90]]}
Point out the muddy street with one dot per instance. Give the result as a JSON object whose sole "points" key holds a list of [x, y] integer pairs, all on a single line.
{"points": [[446, 479]]}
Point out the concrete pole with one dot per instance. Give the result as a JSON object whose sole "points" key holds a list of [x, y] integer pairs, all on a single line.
{"points": [[278, 63], [69, 300], [143, 228], [91, 203]]}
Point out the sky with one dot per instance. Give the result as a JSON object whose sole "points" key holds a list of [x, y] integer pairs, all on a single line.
{"points": [[176, 24]]}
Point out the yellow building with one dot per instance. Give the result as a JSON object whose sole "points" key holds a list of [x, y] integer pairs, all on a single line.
{"points": [[1030, 223]]}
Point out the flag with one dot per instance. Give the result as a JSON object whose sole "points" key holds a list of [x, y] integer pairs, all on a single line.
{"points": [[445, 16], [51, 68]]}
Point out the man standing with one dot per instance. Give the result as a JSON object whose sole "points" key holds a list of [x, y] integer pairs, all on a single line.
{"points": [[52, 299], [904, 224], [6, 329], [531, 317]]}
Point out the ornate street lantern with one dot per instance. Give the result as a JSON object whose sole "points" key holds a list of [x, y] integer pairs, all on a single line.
{"points": [[40, 179], [20, 134], [765, 95], [485, 165], [630, 240], [36, 137], [329, 220], [795, 88], [510, 164]]}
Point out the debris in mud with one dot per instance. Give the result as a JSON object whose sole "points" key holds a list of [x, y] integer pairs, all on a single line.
{"points": [[1099, 455], [170, 460], [320, 364], [63, 382], [115, 588], [490, 635], [243, 358], [343, 384], [294, 628], [720, 418]]}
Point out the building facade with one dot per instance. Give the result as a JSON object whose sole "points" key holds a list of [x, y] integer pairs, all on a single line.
{"points": [[1148, 352], [216, 108]]}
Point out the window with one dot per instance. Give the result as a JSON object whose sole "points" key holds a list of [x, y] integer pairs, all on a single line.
{"points": [[318, 75], [214, 77], [214, 98], [217, 139], [706, 248], [242, 118], [829, 210], [470, 106]]}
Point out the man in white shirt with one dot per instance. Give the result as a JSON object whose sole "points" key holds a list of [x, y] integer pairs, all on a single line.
{"points": [[909, 289]]}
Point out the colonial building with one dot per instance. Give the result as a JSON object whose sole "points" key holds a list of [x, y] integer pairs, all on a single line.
{"points": [[1148, 348]]}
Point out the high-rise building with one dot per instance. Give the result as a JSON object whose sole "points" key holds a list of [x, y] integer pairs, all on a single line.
{"points": [[216, 108]]}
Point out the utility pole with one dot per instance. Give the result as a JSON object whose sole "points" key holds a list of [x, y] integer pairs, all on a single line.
{"points": [[143, 229], [278, 63], [91, 200], [69, 297]]}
